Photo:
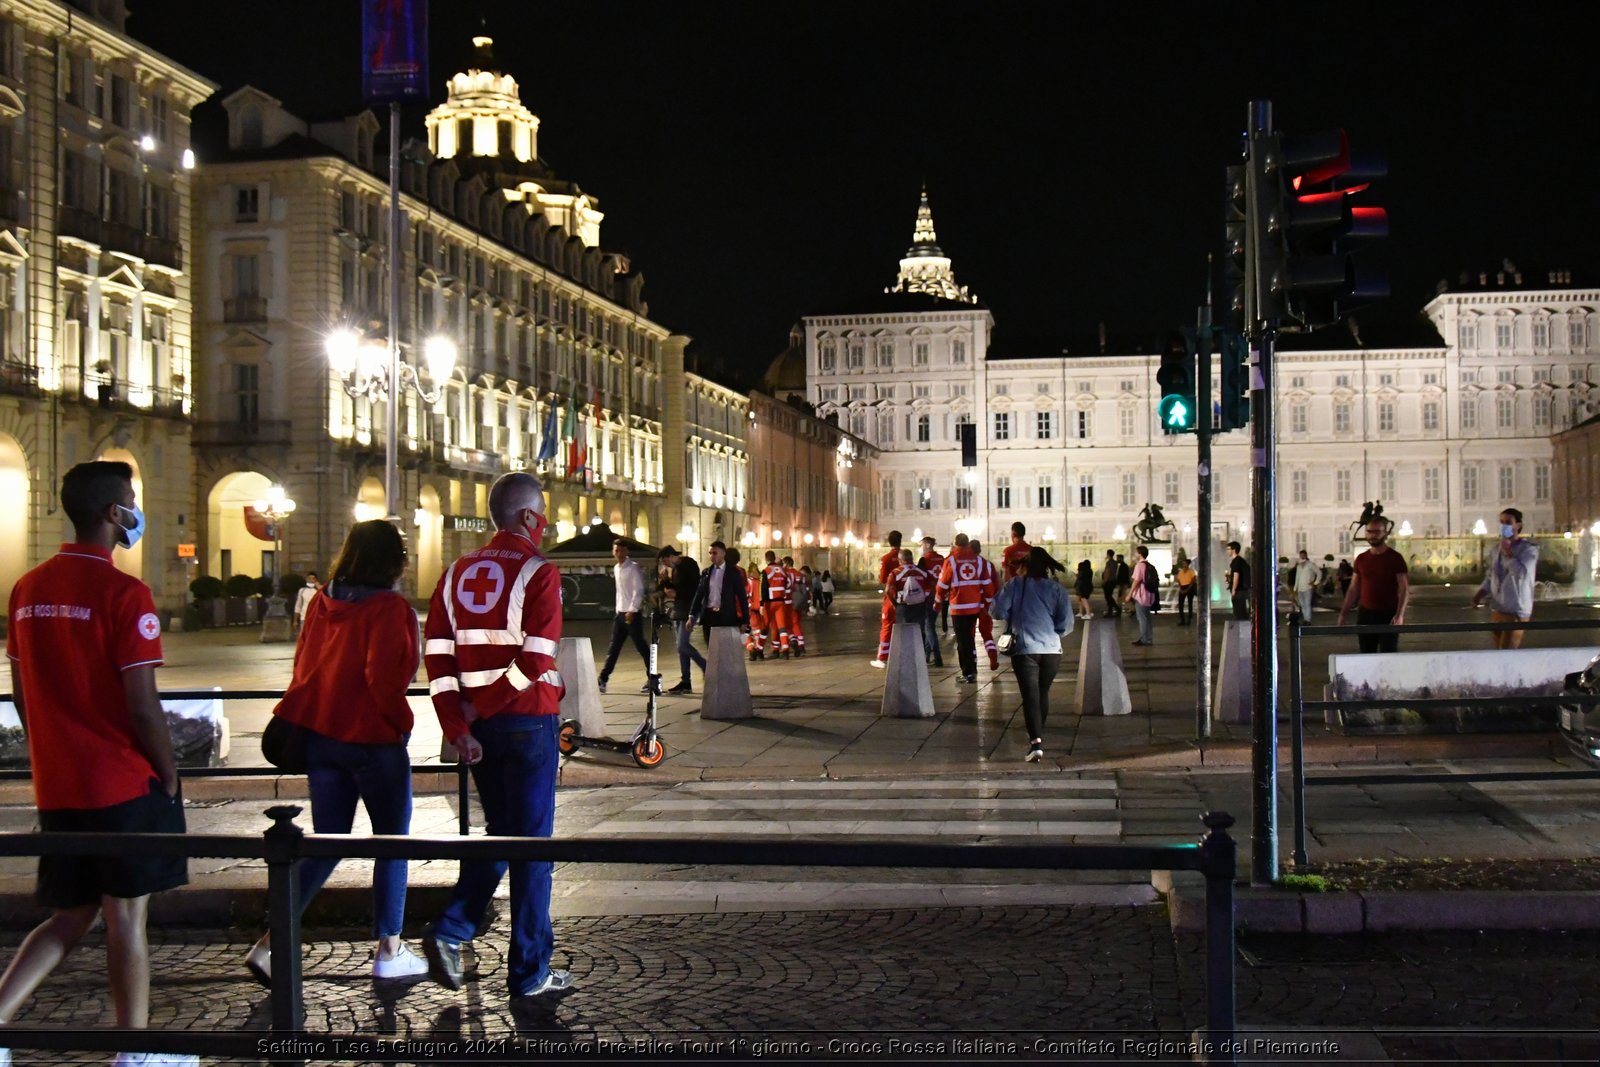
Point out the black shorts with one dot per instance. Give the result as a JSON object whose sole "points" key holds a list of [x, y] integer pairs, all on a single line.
{"points": [[73, 881]]}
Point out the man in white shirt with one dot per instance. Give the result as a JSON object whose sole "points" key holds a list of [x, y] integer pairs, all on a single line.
{"points": [[302, 599], [1307, 576], [630, 613]]}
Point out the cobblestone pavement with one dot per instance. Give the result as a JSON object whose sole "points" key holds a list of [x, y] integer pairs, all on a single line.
{"points": [[1009, 974]]}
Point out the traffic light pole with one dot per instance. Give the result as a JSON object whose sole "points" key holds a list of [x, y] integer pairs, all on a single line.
{"points": [[1263, 328], [1202, 610]]}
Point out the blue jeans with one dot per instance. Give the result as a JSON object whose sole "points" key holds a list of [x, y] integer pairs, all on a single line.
{"points": [[687, 651], [338, 774], [516, 782], [930, 635]]}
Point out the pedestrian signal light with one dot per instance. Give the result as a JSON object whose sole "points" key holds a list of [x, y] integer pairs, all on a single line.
{"points": [[1175, 380]]}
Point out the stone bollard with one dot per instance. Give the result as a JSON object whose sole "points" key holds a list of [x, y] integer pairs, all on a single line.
{"points": [[276, 625], [727, 694], [1233, 696], [906, 692], [575, 664], [1102, 687]]}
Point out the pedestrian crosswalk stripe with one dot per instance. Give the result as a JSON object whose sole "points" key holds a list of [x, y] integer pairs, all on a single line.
{"points": [[910, 785], [855, 827], [918, 803]]}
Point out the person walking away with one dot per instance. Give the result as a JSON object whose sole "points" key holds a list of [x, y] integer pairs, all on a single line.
{"points": [[723, 596], [809, 579], [913, 592], [1378, 591], [964, 586], [1108, 584], [84, 643], [1146, 595], [683, 580], [755, 641], [985, 620], [931, 563], [886, 568], [1124, 582], [795, 605], [1307, 576], [1084, 589], [825, 591], [629, 620], [495, 688], [1238, 581], [302, 599], [1035, 606], [1014, 560], [1346, 573], [1188, 582], [775, 597], [1509, 583], [357, 655]]}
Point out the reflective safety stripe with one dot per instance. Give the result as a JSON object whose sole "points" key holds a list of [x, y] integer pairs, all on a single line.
{"points": [[540, 644], [518, 680], [479, 679], [440, 646], [551, 677], [450, 595], [488, 637], [444, 685]]}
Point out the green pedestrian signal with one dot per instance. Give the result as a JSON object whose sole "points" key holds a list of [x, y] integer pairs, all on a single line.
{"points": [[1175, 379], [1177, 413]]}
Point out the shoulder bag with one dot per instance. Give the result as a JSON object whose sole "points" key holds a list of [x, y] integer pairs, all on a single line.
{"points": [[1006, 643], [283, 743]]}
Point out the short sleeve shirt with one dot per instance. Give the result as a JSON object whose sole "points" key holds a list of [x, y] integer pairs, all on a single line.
{"points": [[1379, 573], [1242, 569], [76, 623]]}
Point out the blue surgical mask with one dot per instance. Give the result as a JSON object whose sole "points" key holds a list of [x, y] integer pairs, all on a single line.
{"points": [[130, 527], [1507, 530]]}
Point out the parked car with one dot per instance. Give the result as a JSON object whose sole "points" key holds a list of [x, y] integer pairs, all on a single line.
{"points": [[1580, 725]]}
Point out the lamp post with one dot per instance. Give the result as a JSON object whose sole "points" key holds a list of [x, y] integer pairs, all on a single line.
{"points": [[276, 507], [372, 369]]}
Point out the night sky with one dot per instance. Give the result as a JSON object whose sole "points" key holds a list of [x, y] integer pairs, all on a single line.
{"points": [[761, 161]]}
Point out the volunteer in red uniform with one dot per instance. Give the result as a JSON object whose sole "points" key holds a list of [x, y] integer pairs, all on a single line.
{"points": [[84, 643], [755, 640], [931, 563], [886, 568], [792, 594], [494, 628], [1014, 560], [775, 598], [985, 620], [964, 585]]}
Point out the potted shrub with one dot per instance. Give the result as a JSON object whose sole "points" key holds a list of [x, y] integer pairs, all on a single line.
{"points": [[240, 588], [208, 608]]}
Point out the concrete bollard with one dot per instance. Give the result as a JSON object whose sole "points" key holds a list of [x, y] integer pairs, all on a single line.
{"points": [[1102, 687], [1233, 696], [575, 663], [727, 694], [906, 692]]}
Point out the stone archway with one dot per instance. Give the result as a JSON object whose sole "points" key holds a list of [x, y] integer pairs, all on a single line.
{"points": [[232, 547], [430, 541], [15, 485], [129, 560], [371, 502]]}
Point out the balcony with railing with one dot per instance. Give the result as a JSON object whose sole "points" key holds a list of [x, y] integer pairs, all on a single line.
{"points": [[80, 223], [131, 240], [11, 207], [250, 307], [115, 394], [19, 379]]}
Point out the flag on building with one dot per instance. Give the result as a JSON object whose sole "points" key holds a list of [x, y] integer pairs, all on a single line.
{"points": [[549, 441], [569, 433]]}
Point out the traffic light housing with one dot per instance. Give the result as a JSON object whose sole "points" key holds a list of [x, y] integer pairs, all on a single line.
{"points": [[1175, 383], [1233, 353]]}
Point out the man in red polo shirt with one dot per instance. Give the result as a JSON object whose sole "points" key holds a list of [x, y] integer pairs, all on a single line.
{"points": [[84, 644]]}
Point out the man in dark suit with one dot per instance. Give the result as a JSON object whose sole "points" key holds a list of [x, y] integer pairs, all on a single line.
{"points": [[721, 599], [680, 586]]}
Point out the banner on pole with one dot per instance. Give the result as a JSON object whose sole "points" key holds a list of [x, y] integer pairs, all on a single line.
{"points": [[394, 50]]}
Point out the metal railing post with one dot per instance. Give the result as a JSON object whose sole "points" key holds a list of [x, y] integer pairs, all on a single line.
{"points": [[283, 917], [1297, 734], [1219, 858], [464, 818]]}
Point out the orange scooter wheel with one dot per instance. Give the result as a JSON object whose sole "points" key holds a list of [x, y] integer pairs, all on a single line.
{"points": [[567, 740], [649, 752]]}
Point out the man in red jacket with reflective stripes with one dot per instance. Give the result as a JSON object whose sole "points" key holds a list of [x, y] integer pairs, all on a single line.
{"points": [[493, 631]]}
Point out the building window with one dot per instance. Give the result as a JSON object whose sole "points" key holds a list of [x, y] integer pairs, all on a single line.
{"points": [[958, 352], [1130, 490], [886, 354], [1502, 335], [1300, 541], [857, 355], [826, 356], [1430, 377], [1002, 492], [247, 394], [919, 353], [1505, 376], [1297, 382], [1385, 379], [1170, 484], [1541, 334], [961, 420], [1083, 425], [1002, 388], [1430, 415], [1505, 411], [1341, 487], [886, 429], [1541, 412], [1386, 483], [1469, 413], [1467, 335], [1042, 388], [1541, 374], [921, 390], [1002, 426], [958, 389], [1297, 418], [1541, 482], [1508, 482], [1341, 418], [1577, 335], [924, 495], [1469, 484], [1341, 381], [246, 203], [1044, 423], [1430, 484], [924, 429], [1298, 490], [1047, 491], [886, 492], [1386, 417], [1086, 490], [963, 497], [1125, 421]]}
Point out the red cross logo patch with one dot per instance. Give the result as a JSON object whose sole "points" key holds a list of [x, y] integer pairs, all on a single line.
{"points": [[479, 587], [967, 570]]}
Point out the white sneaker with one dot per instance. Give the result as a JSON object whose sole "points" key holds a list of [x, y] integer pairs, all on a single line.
{"points": [[155, 1059], [403, 964], [554, 982], [259, 963], [878, 663], [1035, 754]]}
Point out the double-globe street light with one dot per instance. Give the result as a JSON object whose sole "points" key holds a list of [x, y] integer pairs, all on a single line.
{"points": [[275, 507], [368, 367]]}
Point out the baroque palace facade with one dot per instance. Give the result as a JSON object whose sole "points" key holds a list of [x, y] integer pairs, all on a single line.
{"points": [[96, 277], [1445, 421]]}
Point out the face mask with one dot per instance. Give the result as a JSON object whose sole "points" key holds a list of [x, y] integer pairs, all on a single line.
{"points": [[1507, 530], [131, 527], [536, 529]]}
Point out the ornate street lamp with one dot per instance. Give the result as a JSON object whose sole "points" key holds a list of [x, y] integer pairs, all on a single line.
{"points": [[276, 507], [374, 370]]}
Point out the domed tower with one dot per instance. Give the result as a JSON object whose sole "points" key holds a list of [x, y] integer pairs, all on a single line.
{"points": [[483, 114], [925, 268]]}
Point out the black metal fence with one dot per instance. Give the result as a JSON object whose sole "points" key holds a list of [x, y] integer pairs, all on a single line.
{"points": [[284, 845], [1298, 631]]}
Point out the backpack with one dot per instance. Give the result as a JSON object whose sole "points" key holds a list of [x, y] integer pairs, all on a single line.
{"points": [[913, 593], [1152, 579]]}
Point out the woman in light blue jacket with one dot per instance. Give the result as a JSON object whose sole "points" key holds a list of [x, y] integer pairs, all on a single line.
{"points": [[1037, 609]]}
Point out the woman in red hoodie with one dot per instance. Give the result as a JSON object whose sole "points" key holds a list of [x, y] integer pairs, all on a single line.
{"points": [[358, 652]]}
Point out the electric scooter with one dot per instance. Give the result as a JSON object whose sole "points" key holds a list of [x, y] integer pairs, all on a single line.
{"points": [[645, 746]]}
